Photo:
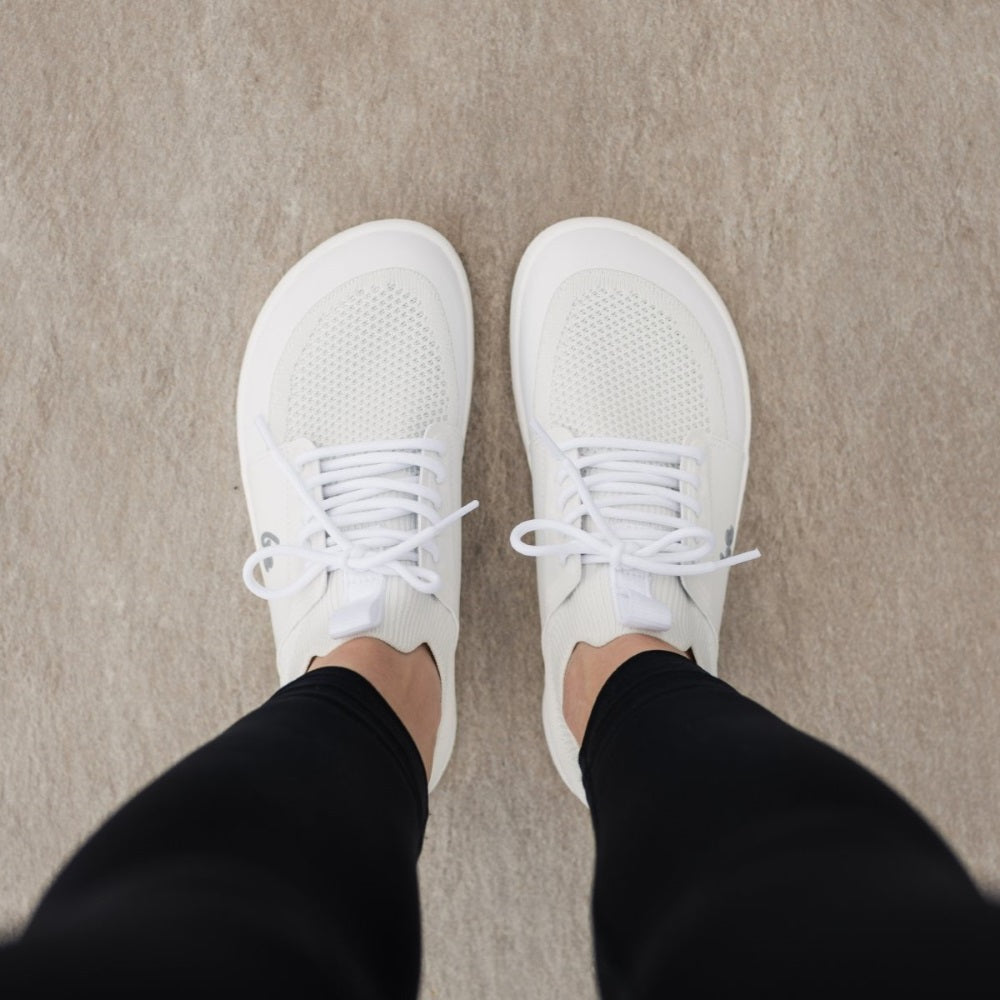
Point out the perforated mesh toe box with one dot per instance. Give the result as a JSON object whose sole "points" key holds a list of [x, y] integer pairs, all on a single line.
{"points": [[627, 363], [369, 361]]}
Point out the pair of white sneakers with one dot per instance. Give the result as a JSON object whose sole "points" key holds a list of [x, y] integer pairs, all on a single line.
{"points": [[633, 404]]}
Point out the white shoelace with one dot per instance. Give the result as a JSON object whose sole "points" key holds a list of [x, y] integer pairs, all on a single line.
{"points": [[361, 489], [624, 478]]}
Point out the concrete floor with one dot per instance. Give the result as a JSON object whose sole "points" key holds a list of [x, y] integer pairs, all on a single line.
{"points": [[832, 168]]}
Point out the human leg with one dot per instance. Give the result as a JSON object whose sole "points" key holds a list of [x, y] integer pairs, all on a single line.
{"points": [[281, 856], [736, 854]]}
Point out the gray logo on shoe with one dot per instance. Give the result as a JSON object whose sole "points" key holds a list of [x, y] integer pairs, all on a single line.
{"points": [[730, 535], [269, 538]]}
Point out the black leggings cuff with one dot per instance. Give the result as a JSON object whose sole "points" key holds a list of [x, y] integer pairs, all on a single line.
{"points": [[629, 686], [360, 698]]}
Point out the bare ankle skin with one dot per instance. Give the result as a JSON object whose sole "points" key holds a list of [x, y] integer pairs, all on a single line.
{"points": [[590, 667], [409, 682]]}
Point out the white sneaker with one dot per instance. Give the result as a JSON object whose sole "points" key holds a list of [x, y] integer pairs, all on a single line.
{"points": [[351, 415], [634, 408]]}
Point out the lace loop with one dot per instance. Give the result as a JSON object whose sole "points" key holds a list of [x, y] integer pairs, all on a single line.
{"points": [[361, 488], [630, 476]]}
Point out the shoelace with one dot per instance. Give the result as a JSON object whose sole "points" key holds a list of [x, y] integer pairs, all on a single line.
{"points": [[359, 493], [624, 476]]}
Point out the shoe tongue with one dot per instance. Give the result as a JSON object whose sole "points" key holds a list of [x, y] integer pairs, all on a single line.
{"points": [[628, 528], [632, 597], [406, 522], [364, 592]]}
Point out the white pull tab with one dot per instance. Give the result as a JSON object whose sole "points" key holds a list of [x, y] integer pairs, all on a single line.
{"points": [[635, 606], [365, 606]]}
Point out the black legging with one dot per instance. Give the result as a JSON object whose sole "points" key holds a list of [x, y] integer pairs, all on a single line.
{"points": [[736, 856]]}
